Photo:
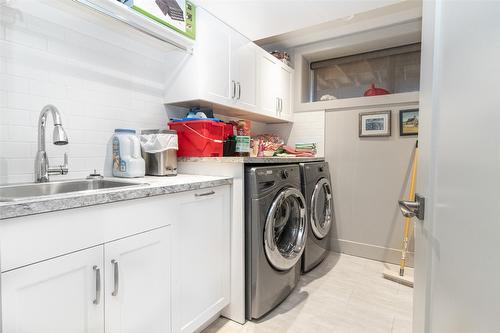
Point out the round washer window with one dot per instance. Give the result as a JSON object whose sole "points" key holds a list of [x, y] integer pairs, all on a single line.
{"points": [[285, 229], [321, 208]]}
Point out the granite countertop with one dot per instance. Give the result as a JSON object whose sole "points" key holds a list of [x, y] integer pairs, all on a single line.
{"points": [[251, 160], [146, 187]]}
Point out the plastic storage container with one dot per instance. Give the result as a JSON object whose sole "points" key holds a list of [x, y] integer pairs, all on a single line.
{"points": [[199, 138], [127, 160]]}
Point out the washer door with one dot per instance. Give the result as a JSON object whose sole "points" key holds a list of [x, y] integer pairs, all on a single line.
{"points": [[285, 229], [321, 208]]}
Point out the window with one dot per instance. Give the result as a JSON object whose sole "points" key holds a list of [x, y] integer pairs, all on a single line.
{"points": [[396, 70]]}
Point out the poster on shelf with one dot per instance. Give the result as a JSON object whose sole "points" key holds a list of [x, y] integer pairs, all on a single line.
{"points": [[179, 15]]}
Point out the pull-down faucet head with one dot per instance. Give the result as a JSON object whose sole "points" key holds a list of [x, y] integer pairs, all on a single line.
{"points": [[59, 136]]}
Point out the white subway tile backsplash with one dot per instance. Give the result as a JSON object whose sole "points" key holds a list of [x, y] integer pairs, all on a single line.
{"points": [[15, 117], [22, 134], [25, 101], [98, 79], [14, 83], [3, 99], [28, 38], [10, 149]]}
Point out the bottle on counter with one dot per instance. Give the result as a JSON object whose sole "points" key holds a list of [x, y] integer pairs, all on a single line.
{"points": [[127, 159]]}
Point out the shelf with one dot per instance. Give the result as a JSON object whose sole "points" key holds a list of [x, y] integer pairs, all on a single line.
{"points": [[231, 112], [360, 102], [137, 21]]}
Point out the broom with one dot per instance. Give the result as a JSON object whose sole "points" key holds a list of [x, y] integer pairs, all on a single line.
{"points": [[389, 274]]}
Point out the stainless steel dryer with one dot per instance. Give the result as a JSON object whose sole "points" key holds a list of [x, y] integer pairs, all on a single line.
{"points": [[317, 189], [276, 227]]}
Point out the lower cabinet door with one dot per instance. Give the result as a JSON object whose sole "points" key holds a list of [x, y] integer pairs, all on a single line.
{"points": [[201, 252], [61, 295], [138, 283]]}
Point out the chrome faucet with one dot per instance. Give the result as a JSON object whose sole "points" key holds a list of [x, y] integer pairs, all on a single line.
{"points": [[42, 168]]}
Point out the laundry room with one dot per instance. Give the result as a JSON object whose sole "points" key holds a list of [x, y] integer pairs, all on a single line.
{"points": [[224, 166]]}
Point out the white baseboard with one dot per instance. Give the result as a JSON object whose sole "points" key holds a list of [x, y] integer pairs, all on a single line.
{"points": [[370, 251]]}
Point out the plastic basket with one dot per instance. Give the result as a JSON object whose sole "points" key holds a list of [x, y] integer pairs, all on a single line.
{"points": [[199, 138]]}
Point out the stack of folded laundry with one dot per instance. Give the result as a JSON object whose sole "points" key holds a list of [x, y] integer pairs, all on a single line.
{"points": [[308, 148]]}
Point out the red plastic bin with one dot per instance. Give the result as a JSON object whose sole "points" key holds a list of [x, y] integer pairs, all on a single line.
{"points": [[199, 138]]}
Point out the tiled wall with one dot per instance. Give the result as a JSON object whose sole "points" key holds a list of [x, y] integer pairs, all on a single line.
{"points": [[307, 127], [100, 74]]}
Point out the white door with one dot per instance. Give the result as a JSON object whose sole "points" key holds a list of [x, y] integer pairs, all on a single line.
{"points": [[61, 295], [268, 84], [201, 258], [457, 244], [243, 71], [285, 92], [138, 283], [214, 43]]}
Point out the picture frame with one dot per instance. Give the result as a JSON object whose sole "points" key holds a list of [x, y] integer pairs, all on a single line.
{"points": [[408, 122], [375, 124]]}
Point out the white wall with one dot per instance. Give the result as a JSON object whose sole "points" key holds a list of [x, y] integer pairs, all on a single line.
{"points": [[100, 74]]}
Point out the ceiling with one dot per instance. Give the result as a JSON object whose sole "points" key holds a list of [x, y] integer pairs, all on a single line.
{"points": [[262, 19]]}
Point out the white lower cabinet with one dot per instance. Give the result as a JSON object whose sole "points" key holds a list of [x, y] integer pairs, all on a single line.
{"points": [[60, 295], [172, 278], [138, 283], [201, 257], [125, 284]]}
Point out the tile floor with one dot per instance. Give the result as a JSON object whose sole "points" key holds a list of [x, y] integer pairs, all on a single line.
{"points": [[345, 294]]}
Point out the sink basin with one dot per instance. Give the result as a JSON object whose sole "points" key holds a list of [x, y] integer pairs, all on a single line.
{"points": [[22, 191]]}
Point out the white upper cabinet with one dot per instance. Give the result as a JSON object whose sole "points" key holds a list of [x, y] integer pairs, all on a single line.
{"points": [[61, 295], [226, 72], [227, 64], [214, 56], [268, 87], [285, 91], [138, 283], [243, 72], [275, 86]]}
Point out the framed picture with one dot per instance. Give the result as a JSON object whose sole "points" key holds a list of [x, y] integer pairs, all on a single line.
{"points": [[408, 122], [375, 124]]}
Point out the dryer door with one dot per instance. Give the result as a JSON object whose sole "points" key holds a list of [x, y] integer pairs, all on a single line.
{"points": [[285, 229], [321, 208]]}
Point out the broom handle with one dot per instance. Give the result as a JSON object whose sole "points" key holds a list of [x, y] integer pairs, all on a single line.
{"points": [[411, 197]]}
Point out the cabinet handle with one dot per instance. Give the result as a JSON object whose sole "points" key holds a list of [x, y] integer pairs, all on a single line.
{"points": [[277, 104], [281, 105], [239, 90], [97, 271], [115, 277], [204, 194], [233, 95]]}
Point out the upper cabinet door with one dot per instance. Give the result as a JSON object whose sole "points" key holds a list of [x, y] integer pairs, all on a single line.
{"points": [[244, 71], [214, 51], [138, 283], [61, 295], [285, 93], [201, 258], [268, 84]]}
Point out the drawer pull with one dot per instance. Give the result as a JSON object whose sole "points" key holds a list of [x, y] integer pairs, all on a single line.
{"points": [[97, 271], [204, 194], [115, 277]]}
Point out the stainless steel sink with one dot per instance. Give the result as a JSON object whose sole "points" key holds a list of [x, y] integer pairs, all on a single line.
{"points": [[22, 191]]}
